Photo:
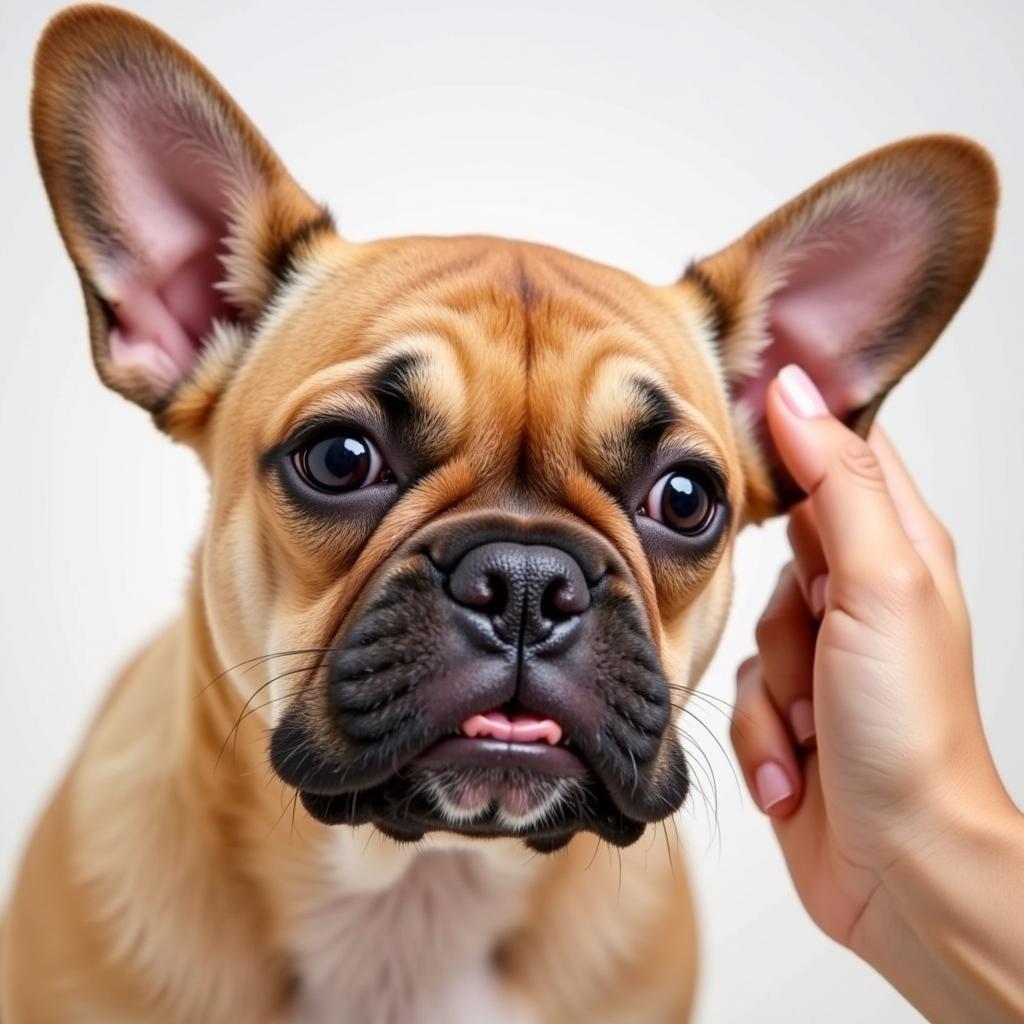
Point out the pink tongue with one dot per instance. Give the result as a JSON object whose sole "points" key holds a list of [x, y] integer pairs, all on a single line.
{"points": [[521, 729]]}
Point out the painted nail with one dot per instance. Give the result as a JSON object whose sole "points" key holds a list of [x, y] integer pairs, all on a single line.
{"points": [[817, 593], [772, 785], [801, 718], [800, 393]]}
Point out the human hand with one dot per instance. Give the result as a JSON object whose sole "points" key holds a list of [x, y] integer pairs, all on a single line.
{"points": [[856, 725]]}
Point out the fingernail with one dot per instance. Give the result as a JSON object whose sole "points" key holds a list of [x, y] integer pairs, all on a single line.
{"points": [[800, 393], [816, 593], [772, 785], [801, 718]]}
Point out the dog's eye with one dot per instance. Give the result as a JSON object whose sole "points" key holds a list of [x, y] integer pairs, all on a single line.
{"points": [[342, 462], [682, 501]]}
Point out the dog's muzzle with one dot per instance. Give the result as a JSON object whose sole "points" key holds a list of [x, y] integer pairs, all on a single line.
{"points": [[496, 683]]}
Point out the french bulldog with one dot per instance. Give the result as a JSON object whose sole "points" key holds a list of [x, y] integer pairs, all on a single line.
{"points": [[410, 753]]}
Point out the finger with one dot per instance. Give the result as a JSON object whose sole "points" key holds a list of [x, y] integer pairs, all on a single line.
{"points": [[808, 557], [786, 634], [926, 532], [763, 746], [861, 533]]}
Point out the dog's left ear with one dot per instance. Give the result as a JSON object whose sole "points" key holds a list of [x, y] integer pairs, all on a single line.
{"points": [[177, 214], [853, 280]]}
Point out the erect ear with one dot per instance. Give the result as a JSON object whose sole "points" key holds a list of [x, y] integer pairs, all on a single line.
{"points": [[176, 213], [853, 280]]}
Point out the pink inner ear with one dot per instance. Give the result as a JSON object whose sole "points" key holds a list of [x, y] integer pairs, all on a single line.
{"points": [[171, 205], [842, 289]]}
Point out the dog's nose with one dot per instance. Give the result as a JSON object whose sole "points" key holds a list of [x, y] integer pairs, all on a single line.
{"points": [[524, 589]]}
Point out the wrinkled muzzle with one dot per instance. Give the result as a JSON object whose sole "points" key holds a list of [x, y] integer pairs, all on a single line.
{"points": [[494, 679]]}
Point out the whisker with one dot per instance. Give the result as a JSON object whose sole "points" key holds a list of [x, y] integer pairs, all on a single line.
{"points": [[242, 714], [280, 817], [259, 707], [722, 750], [703, 765], [261, 658], [668, 850], [366, 845], [723, 707], [295, 805], [675, 828]]}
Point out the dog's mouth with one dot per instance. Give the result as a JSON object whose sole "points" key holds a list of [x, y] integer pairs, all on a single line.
{"points": [[491, 687], [506, 772]]}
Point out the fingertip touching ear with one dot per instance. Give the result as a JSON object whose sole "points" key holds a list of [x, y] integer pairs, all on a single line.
{"points": [[176, 213], [853, 280]]}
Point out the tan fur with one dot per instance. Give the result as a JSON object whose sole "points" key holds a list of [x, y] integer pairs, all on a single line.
{"points": [[173, 878]]}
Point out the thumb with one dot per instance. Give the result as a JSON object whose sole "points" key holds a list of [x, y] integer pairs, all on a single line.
{"points": [[861, 533]]}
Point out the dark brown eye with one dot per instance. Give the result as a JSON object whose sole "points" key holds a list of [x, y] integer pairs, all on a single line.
{"points": [[344, 462], [682, 501]]}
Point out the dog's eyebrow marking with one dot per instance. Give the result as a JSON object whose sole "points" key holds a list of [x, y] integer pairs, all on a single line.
{"points": [[662, 415], [399, 387], [394, 385], [629, 451], [650, 413], [655, 412]]}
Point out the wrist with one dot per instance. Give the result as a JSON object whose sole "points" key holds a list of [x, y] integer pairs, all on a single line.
{"points": [[960, 845], [946, 923]]}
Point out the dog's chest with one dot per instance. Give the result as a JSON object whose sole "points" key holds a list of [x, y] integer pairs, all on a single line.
{"points": [[416, 952]]}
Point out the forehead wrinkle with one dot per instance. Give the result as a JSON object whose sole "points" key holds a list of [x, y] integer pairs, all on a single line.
{"points": [[432, 322], [348, 381], [433, 276], [394, 271], [604, 299], [612, 350], [316, 390], [612, 388], [477, 281]]}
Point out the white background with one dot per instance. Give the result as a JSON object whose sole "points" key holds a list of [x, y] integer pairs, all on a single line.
{"points": [[639, 135]]}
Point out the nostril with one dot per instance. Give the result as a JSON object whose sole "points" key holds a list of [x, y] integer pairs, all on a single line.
{"points": [[487, 593], [475, 586], [562, 599], [497, 595]]}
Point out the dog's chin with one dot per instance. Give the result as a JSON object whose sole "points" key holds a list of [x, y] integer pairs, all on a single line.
{"points": [[542, 795]]}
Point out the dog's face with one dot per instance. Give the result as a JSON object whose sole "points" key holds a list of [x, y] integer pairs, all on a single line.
{"points": [[500, 485], [479, 495]]}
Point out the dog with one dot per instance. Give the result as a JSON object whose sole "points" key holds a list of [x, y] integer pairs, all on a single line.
{"points": [[410, 752]]}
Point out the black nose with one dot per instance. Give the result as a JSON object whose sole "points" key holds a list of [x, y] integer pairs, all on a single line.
{"points": [[525, 589]]}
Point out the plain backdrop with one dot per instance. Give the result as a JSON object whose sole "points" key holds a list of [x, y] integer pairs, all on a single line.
{"points": [[639, 134]]}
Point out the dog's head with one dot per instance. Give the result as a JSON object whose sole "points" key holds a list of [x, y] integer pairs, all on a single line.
{"points": [[482, 493]]}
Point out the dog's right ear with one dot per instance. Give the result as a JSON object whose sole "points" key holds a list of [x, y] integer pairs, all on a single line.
{"points": [[178, 216]]}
